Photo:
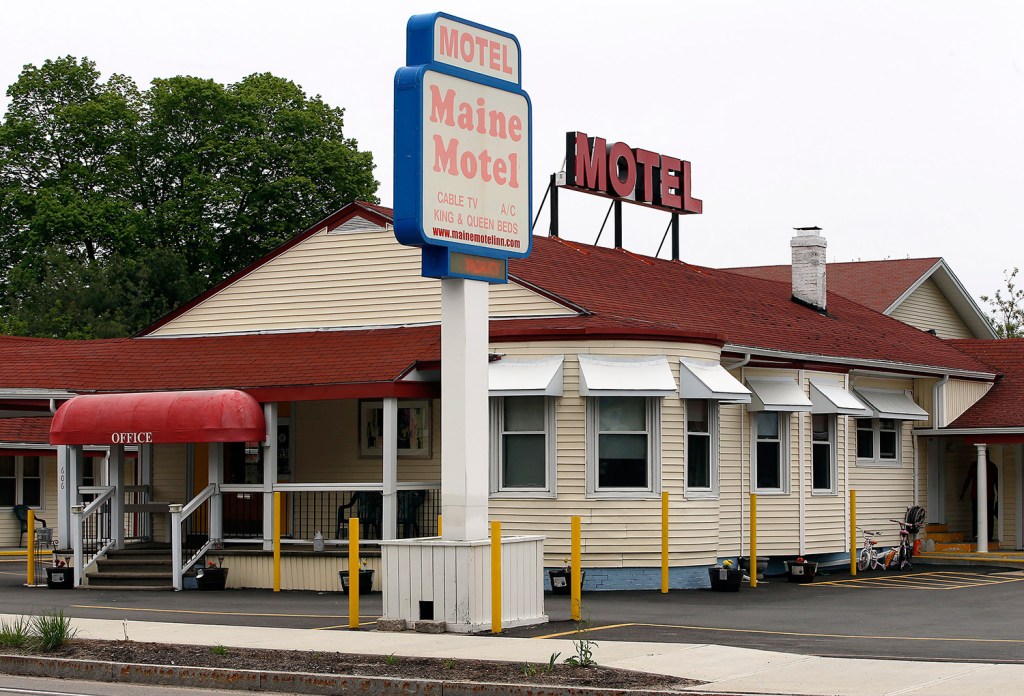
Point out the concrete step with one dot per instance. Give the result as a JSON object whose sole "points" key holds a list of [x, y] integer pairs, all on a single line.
{"points": [[133, 565], [946, 537], [963, 547], [930, 527], [134, 588], [130, 580]]}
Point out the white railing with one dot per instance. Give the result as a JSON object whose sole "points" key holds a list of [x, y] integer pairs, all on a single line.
{"points": [[308, 508], [92, 532], [192, 531]]}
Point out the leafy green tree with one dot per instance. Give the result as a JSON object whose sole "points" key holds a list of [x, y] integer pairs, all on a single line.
{"points": [[1007, 306], [118, 204]]}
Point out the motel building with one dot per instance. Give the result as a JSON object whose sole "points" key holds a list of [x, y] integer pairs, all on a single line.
{"points": [[614, 377]]}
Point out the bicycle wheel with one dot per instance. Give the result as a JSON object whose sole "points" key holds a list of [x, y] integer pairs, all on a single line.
{"points": [[864, 559]]}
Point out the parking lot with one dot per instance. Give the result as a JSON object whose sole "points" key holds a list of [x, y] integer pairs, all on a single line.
{"points": [[935, 613]]}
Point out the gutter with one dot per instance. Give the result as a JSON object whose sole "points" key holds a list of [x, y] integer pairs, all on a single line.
{"points": [[888, 367]]}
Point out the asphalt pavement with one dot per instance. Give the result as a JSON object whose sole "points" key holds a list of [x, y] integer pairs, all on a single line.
{"points": [[949, 627]]}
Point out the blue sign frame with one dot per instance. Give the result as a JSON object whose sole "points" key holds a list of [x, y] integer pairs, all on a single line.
{"points": [[410, 228]]}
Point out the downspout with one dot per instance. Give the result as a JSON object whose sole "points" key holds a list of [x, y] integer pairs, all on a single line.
{"points": [[743, 437], [802, 471], [938, 421]]}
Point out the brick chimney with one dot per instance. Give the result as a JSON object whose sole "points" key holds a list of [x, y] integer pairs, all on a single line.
{"points": [[809, 267]]}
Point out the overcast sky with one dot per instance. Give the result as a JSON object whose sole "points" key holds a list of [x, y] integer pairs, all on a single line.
{"points": [[897, 127]]}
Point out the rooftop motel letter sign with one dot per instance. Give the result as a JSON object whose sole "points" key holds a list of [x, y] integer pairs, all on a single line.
{"points": [[462, 149]]}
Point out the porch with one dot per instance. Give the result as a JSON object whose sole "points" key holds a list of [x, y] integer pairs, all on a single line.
{"points": [[229, 513]]}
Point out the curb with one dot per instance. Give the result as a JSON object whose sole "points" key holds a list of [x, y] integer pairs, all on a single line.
{"points": [[290, 682]]}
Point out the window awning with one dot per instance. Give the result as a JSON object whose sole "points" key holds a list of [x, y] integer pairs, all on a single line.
{"points": [[602, 375], [778, 394], [833, 398], [223, 415], [888, 403], [525, 377], [706, 379]]}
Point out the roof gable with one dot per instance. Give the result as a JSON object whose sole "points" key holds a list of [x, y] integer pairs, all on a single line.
{"points": [[1003, 405]]}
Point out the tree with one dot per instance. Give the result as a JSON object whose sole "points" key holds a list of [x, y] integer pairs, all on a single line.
{"points": [[99, 181], [1007, 308]]}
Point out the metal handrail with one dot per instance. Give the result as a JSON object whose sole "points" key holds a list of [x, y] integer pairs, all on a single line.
{"points": [[79, 515]]}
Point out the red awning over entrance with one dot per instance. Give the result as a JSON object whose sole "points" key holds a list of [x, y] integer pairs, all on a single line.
{"points": [[223, 415]]}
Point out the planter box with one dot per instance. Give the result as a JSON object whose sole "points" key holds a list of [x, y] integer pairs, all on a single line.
{"points": [[365, 581], [725, 580], [211, 578], [62, 578], [560, 581], [800, 572]]}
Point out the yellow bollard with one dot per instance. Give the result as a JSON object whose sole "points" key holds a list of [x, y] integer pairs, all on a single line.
{"points": [[353, 572], [753, 539], [664, 542], [277, 541], [439, 525], [576, 576], [30, 535], [495, 577], [853, 532]]}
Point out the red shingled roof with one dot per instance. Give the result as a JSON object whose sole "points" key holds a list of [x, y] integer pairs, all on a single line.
{"points": [[874, 284], [366, 362], [625, 291], [27, 430], [1003, 405]]}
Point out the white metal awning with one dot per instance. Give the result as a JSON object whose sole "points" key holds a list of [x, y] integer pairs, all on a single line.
{"points": [[602, 375], [834, 398], [887, 403], [525, 376], [777, 394], [706, 379]]}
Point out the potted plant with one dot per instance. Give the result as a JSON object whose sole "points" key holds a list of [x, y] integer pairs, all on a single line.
{"points": [[725, 578], [61, 575], [561, 577], [365, 578], [801, 570], [212, 577]]}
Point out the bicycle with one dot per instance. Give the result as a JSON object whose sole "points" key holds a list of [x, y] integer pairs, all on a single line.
{"points": [[897, 557]]}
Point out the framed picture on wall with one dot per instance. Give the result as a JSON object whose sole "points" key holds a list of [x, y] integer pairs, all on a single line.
{"points": [[413, 428]]}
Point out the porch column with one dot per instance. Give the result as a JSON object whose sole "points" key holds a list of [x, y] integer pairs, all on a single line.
{"points": [[981, 483], [76, 469], [464, 413], [390, 512], [146, 479], [115, 478], [64, 495], [269, 473], [215, 469]]}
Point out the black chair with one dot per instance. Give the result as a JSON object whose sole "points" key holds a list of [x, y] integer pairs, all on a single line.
{"points": [[369, 508], [409, 504], [21, 512]]}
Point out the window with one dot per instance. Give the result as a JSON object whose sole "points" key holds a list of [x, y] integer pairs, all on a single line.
{"points": [[701, 447], [523, 446], [770, 451], [823, 460], [623, 445], [21, 481], [878, 441]]}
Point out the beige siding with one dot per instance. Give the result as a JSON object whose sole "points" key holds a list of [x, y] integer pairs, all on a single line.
{"points": [[170, 467], [884, 492], [616, 533], [961, 394], [10, 528], [327, 446], [317, 572], [343, 280], [927, 308]]}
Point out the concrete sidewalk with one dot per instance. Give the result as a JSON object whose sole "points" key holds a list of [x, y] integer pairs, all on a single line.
{"points": [[726, 669]]}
